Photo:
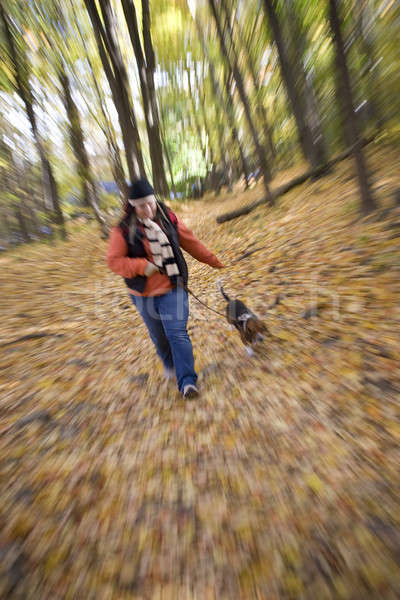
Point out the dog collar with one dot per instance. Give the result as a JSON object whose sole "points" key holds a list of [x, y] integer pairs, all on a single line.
{"points": [[244, 317]]}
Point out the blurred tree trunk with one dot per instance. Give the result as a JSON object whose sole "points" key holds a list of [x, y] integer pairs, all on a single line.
{"points": [[222, 161], [259, 107], [21, 72], [234, 130], [150, 69], [106, 127], [111, 141], [88, 186], [166, 151], [171, 175], [6, 220], [370, 71], [214, 165], [33, 218], [305, 84], [14, 181], [116, 74], [289, 76], [351, 118], [146, 68], [220, 102], [240, 86], [21, 222], [26, 187], [196, 119]]}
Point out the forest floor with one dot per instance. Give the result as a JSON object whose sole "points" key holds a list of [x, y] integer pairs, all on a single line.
{"points": [[281, 481]]}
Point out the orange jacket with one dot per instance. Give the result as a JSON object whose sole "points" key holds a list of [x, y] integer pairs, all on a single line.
{"points": [[157, 284]]}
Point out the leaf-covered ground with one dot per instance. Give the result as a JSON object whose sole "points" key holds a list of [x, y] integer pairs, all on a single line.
{"points": [[281, 481]]}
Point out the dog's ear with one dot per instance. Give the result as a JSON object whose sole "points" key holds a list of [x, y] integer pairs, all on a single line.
{"points": [[251, 330], [262, 328], [251, 325]]}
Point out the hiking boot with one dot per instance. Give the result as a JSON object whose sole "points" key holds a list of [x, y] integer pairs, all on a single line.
{"points": [[190, 391]]}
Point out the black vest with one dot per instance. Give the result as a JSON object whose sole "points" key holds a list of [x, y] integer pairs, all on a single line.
{"points": [[168, 222]]}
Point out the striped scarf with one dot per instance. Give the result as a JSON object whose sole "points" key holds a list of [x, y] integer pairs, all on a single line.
{"points": [[160, 249]]}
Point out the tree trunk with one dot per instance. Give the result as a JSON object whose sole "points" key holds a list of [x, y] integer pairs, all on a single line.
{"points": [[216, 183], [171, 175], [196, 120], [146, 78], [155, 121], [33, 219], [88, 186], [240, 86], [121, 78], [107, 128], [112, 148], [289, 77], [166, 151], [222, 159], [371, 67], [8, 228], [221, 102], [23, 87], [304, 82], [367, 200], [260, 109], [24, 179], [115, 71], [22, 223]]}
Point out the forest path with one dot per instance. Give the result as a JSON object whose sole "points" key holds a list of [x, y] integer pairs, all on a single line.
{"points": [[278, 482]]}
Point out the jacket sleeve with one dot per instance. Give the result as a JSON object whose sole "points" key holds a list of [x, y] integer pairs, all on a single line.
{"points": [[193, 246], [117, 258]]}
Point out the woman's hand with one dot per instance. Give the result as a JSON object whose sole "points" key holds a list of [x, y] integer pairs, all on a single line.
{"points": [[150, 269]]}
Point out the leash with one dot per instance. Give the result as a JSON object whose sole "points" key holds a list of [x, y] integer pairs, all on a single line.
{"points": [[189, 291], [203, 303]]}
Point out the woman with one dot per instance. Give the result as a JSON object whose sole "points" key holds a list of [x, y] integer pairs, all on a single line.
{"points": [[145, 249]]}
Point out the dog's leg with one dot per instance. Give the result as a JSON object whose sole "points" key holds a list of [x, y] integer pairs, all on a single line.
{"points": [[249, 350]]}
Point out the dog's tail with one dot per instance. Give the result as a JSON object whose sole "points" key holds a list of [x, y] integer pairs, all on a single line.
{"points": [[221, 289]]}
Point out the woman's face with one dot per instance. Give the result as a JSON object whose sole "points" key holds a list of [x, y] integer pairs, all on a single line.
{"points": [[145, 208]]}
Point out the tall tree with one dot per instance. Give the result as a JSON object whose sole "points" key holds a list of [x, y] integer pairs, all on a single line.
{"points": [[155, 121], [220, 102], [222, 160], [351, 118], [166, 152], [104, 123], [107, 128], [146, 66], [195, 117], [114, 68], [216, 181], [261, 154], [88, 186], [370, 64], [289, 77], [259, 106], [305, 80], [20, 67]]}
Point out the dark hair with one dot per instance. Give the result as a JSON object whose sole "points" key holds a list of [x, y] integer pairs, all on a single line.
{"points": [[126, 210]]}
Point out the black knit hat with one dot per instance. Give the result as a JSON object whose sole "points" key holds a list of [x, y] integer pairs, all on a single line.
{"points": [[140, 189]]}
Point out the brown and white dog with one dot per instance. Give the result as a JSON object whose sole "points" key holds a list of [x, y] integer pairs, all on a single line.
{"points": [[249, 326]]}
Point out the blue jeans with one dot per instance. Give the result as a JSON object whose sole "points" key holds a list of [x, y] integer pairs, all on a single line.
{"points": [[166, 317]]}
